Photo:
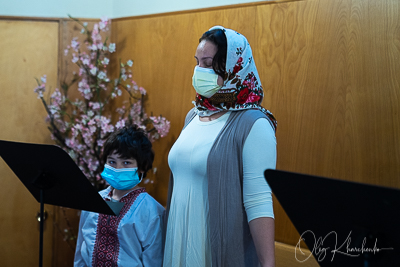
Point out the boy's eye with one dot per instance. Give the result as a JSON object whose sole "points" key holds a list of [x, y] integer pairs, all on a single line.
{"points": [[110, 162], [127, 162]]}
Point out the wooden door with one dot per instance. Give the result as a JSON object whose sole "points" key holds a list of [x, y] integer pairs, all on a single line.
{"points": [[28, 49]]}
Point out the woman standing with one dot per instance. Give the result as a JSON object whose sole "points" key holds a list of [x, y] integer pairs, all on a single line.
{"points": [[219, 205]]}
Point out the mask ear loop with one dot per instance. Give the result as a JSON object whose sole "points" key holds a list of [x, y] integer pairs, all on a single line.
{"points": [[141, 178]]}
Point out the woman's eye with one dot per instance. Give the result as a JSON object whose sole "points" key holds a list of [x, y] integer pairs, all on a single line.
{"points": [[208, 63]]}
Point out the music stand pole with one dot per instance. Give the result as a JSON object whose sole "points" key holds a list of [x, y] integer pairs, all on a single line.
{"points": [[41, 183], [41, 227]]}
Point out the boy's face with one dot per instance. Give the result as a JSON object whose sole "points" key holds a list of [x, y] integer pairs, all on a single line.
{"points": [[115, 161]]}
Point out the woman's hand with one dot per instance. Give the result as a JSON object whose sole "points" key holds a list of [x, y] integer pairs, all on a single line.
{"points": [[263, 233]]}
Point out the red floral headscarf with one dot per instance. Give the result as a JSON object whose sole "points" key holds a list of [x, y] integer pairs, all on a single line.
{"points": [[242, 86]]}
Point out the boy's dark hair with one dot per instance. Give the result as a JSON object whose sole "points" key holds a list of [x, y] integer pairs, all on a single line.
{"points": [[130, 142], [218, 38]]}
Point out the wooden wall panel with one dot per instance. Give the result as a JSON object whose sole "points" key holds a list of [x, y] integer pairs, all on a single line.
{"points": [[284, 37], [285, 256], [28, 50], [351, 95], [330, 70], [163, 49]]}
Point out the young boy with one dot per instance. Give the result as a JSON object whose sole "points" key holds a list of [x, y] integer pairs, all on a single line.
{"points": [[134, 237]]}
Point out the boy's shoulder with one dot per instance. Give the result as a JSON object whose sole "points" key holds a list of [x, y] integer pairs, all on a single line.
{"points": [[147, 201], [147, 209], [105, 192]]}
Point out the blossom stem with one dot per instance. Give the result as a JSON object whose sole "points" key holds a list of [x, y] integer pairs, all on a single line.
{"points": [[55, 131]]}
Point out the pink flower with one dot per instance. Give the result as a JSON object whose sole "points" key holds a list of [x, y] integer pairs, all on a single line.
{"points": [[111, 48], [96, 37], [70, 142], [100, 142], [106, 127], [161, 124], [93, 47], [83, 83], [40, 90], [102, 75], [142, 90], [103, 23], [121, 110], [94, 105], [92, 129], [74, 58], [57, 99], [250, 85], [84, 88], [93, 56], [252, 98], [75, 44], [93, 71], [105, 61], [120, 124], [85, 60]]}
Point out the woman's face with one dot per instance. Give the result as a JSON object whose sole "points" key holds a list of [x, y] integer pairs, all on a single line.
{"points": [[205, 53]]}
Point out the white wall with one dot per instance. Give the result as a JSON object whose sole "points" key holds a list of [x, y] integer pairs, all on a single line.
{"points": [[99, 8], [127, 8], [57, 8]]}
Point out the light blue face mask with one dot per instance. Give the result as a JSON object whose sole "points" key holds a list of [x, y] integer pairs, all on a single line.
{"points": [[121, 179], [204, 81]]}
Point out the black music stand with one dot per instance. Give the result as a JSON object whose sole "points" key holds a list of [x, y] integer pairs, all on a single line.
{"points": [[343, 223], [52, 177]]}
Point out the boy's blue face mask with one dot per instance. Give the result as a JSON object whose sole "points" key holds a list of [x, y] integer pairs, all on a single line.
{"points": [[121, 179]]}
